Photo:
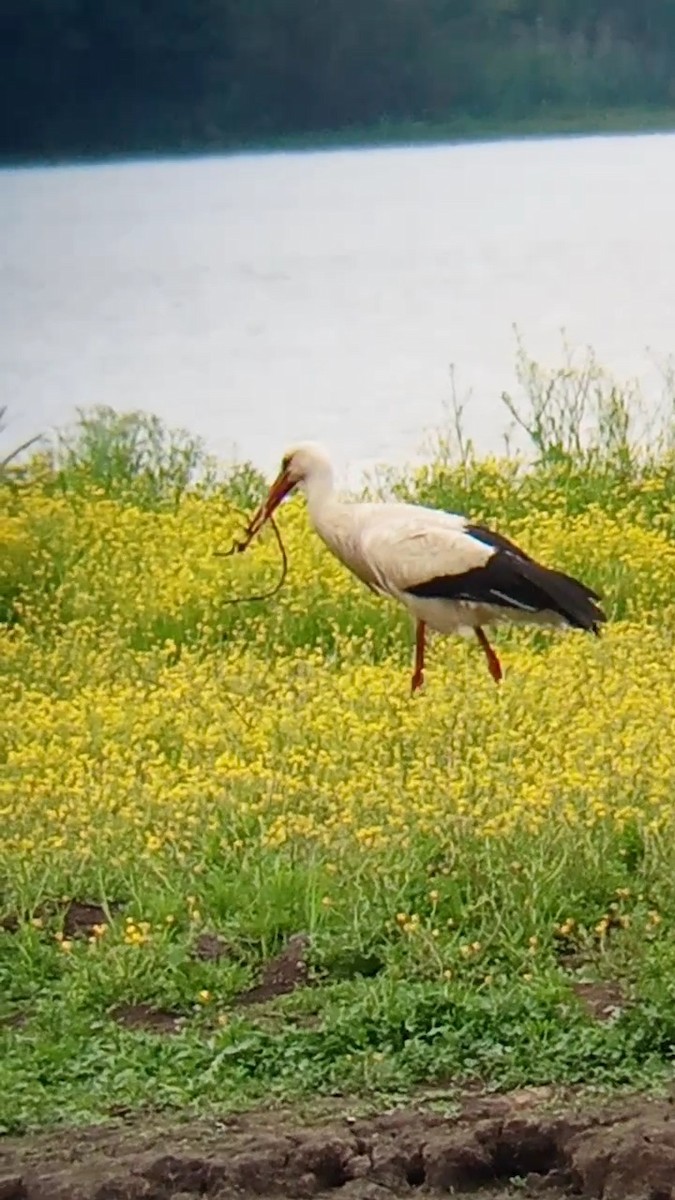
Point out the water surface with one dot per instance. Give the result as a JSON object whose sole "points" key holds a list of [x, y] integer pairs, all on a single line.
{"points": [[258, 299]]}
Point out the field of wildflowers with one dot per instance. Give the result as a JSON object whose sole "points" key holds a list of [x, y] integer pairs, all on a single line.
{"points": [[462, 863]]}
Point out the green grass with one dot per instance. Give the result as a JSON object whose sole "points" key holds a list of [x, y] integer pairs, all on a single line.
{"points": [[380, 1034], [73, 1064]]}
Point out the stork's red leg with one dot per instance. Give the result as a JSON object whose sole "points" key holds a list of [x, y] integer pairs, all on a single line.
{"points": [[418, 673], [494, 665]]}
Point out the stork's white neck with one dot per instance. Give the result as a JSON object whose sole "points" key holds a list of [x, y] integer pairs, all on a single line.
{"points": [[319, 488]]}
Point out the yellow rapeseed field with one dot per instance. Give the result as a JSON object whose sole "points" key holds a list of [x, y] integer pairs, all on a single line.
{"points": [[260, 769], [136, 720]]}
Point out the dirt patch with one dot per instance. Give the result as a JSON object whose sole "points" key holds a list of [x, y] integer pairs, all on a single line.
{"points": [[210, 947], [14, 1020], [280, 975], [495, 1148], [80, 917], [143, 1016], [602, 1000]]}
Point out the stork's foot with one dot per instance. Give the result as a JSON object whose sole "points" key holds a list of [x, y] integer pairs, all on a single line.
{"points": [[417, 682], [494, 665]]}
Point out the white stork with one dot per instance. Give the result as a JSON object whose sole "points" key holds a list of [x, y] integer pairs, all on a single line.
{"points": [[451, 575]]}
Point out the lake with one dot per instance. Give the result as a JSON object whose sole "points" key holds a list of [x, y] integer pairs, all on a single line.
{"points": [[259, 299]]}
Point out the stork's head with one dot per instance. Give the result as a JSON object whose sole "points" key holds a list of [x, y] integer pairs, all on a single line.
{"points": [[299, 466]]}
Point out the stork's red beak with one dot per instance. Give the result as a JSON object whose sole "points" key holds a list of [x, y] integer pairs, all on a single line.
{"points": [[280, 488]]}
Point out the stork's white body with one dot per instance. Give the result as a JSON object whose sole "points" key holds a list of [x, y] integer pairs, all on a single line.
{"points": [[452, 576], [391, 547]]}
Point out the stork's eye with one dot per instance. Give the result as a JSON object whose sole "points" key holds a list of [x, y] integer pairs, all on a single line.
{"points": [[285, 462]]}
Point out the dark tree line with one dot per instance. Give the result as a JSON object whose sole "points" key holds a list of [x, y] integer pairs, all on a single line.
{"points": [[105, 75]]}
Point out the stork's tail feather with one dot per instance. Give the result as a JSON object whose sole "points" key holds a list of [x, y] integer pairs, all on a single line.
{"points": [[567, 596], [564, 594]]}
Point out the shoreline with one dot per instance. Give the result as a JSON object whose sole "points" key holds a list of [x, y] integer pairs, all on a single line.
{"points": [[409, 134]]}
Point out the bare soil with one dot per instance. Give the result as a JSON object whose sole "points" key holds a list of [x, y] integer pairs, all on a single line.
{"points": [[282, 974], [601, 999], [80, 918], [494, 1148], [144, 1016]]}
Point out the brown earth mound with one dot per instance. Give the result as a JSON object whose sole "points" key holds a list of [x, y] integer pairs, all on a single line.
{"points": [[495, 1148]]}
